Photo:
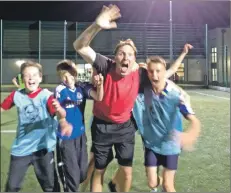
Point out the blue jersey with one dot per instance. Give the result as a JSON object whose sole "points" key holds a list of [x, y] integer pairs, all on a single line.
{"points": [[73, 101], [36, 127], [157, 118]]}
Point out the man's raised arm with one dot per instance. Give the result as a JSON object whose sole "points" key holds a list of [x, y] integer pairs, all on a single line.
{"points": [[105, 20]]}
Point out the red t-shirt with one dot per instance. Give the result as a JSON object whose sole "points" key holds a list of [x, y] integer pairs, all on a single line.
{"points": [[119, 93], [8, 102]]}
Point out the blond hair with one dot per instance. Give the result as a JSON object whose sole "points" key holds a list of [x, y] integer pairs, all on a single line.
{"points": [[30, 63], [126, 42], [66, 66], [156, 59]]}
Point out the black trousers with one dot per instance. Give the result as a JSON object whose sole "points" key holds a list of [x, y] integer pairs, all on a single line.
{"points": [[72, 159], [44, 167]]}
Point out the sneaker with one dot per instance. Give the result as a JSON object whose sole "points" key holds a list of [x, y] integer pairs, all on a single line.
{"points": [[154, 190], [112, 187]]}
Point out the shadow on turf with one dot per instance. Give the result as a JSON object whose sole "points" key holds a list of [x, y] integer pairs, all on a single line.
{"points": [[136, 189], [9, 123]]}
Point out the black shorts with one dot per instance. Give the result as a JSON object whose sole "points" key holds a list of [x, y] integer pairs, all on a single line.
{"points": [[134, 122], [105, 135]]}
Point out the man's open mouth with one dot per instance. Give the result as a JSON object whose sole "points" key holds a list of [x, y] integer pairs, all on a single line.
{"points": [[124, 67]]}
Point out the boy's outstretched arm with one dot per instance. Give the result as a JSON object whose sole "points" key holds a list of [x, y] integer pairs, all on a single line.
{"points": [[8, 102], [66, 128], [59, 111], [173, 68], [98, 81], [14, 81], [189, 137]]}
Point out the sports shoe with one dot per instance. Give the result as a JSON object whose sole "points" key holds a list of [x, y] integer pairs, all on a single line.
{"points": [[154, 190], [112, 187]]}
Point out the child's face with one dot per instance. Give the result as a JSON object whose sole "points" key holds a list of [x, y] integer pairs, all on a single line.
{"points": [[31, 78], [156, 73], [68, 80]]}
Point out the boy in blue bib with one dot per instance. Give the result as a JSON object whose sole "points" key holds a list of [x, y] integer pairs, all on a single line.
{"points": [[36, 131], [156, 112]]}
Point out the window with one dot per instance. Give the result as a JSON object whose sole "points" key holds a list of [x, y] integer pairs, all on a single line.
{"points": [[226, 59], [214, 63], [214, 74], [180, 72], [214, 55], [226, 55]]}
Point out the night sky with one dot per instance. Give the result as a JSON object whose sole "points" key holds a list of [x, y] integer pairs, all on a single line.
{"points": [[214, 13]]}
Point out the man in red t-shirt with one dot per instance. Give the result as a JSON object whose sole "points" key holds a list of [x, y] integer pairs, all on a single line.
{"points": [[112, 124]]}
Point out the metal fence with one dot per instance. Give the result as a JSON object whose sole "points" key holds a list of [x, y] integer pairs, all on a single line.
{"points": [[37, 39], [44, 40]]}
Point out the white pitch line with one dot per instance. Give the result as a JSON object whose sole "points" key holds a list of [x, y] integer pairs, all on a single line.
{"points": [[225, 98], [8, 131]]}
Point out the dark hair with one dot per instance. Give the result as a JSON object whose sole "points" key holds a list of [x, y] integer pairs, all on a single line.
{"points": [[66, 65]]}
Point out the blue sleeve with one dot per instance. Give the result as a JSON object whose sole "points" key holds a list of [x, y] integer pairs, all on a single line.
{"points": [[185, 108], [86, 87], [60, 94]]}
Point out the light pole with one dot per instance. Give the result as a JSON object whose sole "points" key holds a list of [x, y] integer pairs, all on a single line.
{"points": [[170, 24]]}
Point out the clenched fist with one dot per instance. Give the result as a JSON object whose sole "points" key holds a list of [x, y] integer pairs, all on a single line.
{"points": [[66, 128], [98, 80], [187, 47], [56, 105]]}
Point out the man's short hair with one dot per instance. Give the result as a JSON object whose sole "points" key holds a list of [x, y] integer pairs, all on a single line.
{"points": [[123, 43]]}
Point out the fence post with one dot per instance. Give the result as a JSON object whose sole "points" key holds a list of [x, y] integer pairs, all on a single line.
{"points": [[206, 56], [226, 66], [76, 34], [223, 55], [144, 40], [171, 41], [39, 54], [64, 39]]}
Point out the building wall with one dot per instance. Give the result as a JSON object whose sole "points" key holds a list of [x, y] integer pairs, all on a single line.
{"points": [[215, 40], [196, 70]]}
